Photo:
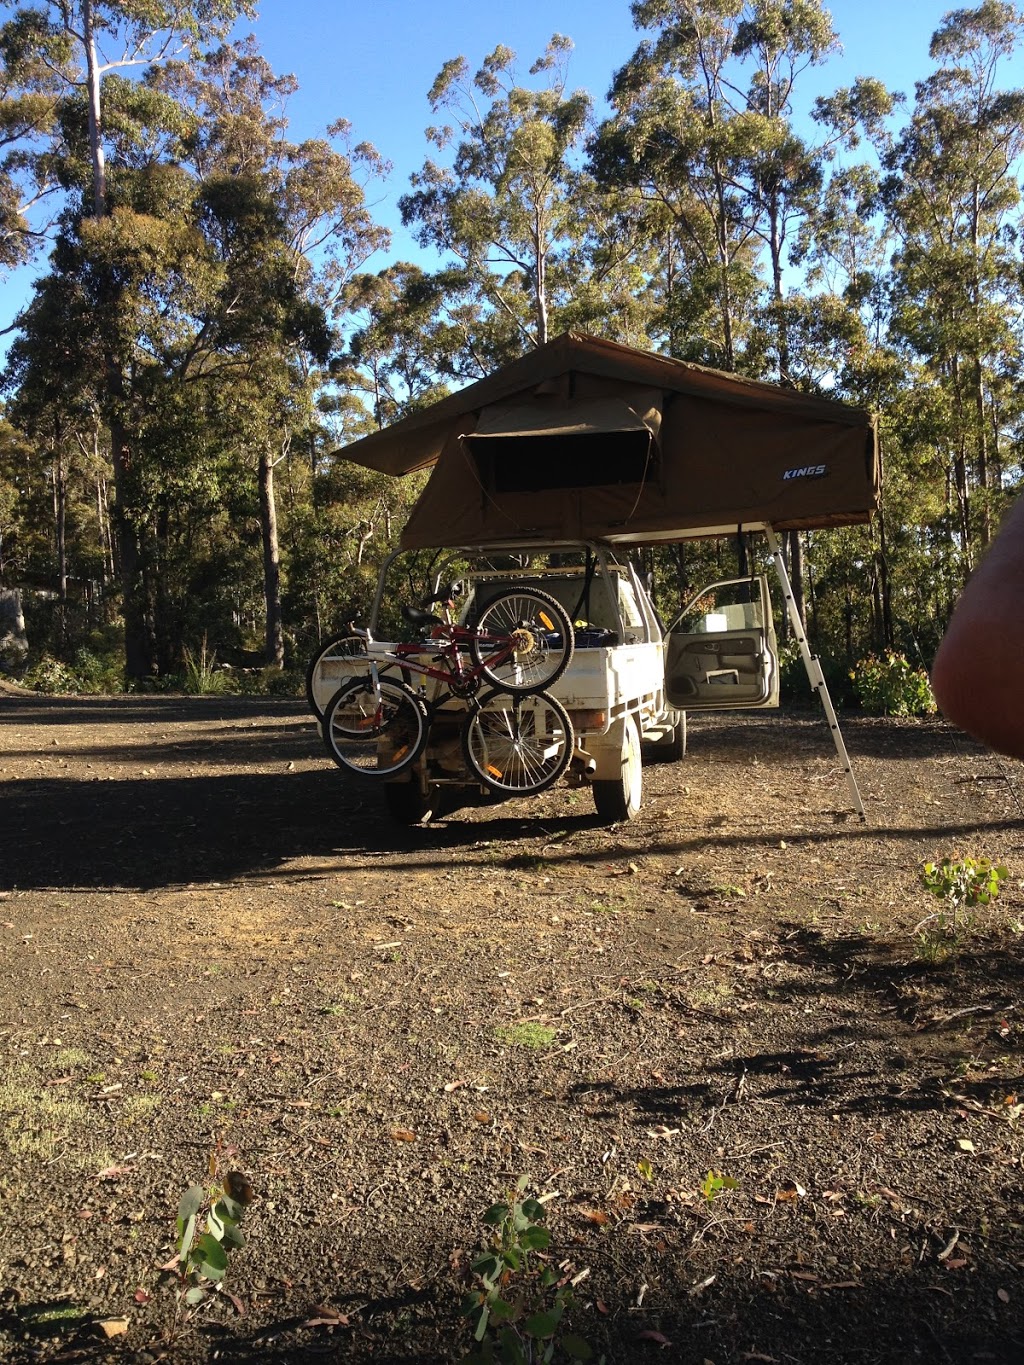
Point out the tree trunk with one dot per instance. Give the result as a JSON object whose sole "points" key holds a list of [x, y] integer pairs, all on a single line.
{"points": [[742, 556], [139, 648], [93, 83], [796, 576], [984, 480], [139, 651], [60, 524], [271, 563]]}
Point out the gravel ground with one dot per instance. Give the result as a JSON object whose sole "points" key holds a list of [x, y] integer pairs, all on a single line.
{"points": [[764, 1127]]}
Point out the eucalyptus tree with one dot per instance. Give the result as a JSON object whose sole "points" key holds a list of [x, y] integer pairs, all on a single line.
{"points": [[34, 74], [953, 197], [702, 128], [674, 138], [289, 228], [500, 211], [95, 41]]}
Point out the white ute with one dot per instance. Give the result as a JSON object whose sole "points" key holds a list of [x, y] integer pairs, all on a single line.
{"points": [[627, 689]]}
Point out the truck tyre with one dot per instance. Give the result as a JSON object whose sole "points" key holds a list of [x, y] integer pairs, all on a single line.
{"points": [[619, 799], [670, 749]]}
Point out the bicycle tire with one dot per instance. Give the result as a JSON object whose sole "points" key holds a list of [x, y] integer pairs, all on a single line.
{"points": [[519, 747], [547, 638], [377, 731], [327, 670]]}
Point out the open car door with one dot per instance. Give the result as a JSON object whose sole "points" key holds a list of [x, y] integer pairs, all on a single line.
{"points": [[721, 651]]}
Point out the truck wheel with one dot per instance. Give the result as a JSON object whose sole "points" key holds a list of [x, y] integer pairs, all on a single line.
{"points": [[406, 803], [670, 749], [619, 799]]}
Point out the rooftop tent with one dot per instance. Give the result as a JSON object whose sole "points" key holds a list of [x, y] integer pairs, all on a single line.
{"points": [[584, 439]]}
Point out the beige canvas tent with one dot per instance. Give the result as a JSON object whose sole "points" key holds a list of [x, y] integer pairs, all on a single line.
{"points": [[584, 439]]}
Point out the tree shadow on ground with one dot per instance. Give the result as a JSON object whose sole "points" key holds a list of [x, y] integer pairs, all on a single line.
{"points": [[781, 1310], [152, 831]]}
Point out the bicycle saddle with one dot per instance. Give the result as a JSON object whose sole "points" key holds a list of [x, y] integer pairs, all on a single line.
{"points": [[417, 617]]}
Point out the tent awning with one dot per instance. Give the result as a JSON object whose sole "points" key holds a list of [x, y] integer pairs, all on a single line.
{"points": [[587, 439]]}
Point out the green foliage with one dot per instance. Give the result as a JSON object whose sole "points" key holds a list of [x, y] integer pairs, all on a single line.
{"points": [[183, 320], [87, 673], [519, 1302], [889, 685], [202, 677], [208, 1234], [961, 885], [715, 1184]]}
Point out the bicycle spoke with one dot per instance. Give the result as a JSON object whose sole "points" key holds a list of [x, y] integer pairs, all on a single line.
{"points": [[527, 641], [375, 730], [519, 748]]}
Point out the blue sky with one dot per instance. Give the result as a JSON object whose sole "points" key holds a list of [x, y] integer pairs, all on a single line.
{"points": [[373, 63]]}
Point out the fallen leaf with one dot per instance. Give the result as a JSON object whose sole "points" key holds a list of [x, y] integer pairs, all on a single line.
{"points": [[140, 1296], [597, 1216], [965, 1144], [482, 1117], [789, 1189], [453, 1085], [113, 1327], [651, 1335], [325, 1316], [403, 1135], [956, 1264]]}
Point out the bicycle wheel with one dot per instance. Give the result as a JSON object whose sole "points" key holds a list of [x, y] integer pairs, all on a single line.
{"points": [[329, 667], [541, 635], [377, 730], [517, 747]]}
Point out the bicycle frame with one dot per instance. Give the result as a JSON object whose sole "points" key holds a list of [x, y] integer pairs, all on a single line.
{"points": [[446, 639]]}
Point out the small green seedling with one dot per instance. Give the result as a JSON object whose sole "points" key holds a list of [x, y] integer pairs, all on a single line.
{"points": [[715, 1183], [961, 885], [208, 1233], [519, 1300]]}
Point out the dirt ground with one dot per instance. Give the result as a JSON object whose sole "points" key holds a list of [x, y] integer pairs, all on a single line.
{"points": [[211, 939]]}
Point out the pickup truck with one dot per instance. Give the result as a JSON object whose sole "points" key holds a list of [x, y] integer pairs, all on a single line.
{"points": [[627, 689]]}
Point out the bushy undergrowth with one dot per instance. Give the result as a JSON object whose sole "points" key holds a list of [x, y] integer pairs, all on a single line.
{"points": [[793, 683], [91, 674], [889, 685], [85, 672]]}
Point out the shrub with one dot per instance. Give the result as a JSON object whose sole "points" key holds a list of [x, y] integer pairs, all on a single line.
{"points": [[961, 885], [87, 672], [50, 675], [793, 683], [891, 686], [202, 677]]}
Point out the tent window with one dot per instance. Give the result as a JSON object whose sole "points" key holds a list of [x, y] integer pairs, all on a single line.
{"points": [[533, 463]]}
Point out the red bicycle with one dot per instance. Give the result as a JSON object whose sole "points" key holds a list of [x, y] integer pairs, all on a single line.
{"points": [[516, 739], [521, 641]]}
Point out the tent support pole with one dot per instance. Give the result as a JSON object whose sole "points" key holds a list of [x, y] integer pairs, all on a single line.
{"points": [[815, 676]]}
